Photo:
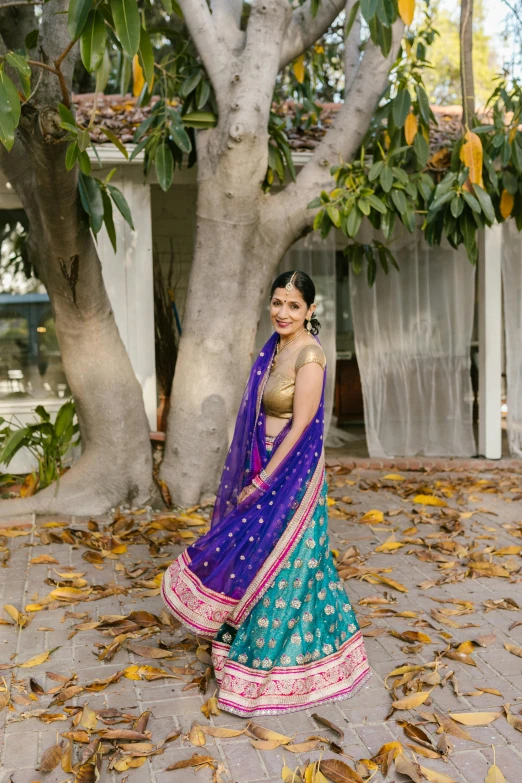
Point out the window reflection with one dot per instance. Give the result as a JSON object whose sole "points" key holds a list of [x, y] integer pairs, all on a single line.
{"points": [[30, 362]]}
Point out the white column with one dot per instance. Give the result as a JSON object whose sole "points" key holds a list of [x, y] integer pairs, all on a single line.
{"points": [[490, 343], [129, 281]]}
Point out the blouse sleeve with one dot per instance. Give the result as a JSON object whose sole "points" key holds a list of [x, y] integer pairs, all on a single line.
{"points": [[311, 353]]}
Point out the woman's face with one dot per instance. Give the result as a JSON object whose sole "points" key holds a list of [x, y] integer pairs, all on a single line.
{"points": [[288, 311]]}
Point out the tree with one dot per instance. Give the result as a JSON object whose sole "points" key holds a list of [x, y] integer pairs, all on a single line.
{"points": [[115, 464], [443, 78], [242, 232]]}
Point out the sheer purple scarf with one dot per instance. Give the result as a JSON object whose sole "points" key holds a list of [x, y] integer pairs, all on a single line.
{"points": [[242, 536]]}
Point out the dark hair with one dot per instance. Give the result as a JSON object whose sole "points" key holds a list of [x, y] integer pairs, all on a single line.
{"points": [[306, 288]]}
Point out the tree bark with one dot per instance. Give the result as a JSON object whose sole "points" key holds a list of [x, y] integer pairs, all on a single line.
{"points": [[116, 462], [466, 61]]}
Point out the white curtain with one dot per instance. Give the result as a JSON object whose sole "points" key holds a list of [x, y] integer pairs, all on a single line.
{"points": [[316, 257], [512, 285], [412, 340]]}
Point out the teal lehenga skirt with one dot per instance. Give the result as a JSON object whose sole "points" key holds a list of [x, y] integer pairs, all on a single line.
{"points": [[300, 644]]}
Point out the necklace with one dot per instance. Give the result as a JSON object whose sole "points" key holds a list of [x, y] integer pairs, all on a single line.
{"points": [[280, 347]]}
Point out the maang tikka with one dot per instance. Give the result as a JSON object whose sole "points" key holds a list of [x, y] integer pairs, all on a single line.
{"points": [[290, 284]]}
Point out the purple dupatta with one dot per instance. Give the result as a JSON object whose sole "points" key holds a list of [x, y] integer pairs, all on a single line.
{"points": [[242, 536]]}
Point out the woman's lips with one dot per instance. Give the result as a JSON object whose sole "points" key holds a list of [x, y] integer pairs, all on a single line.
{"points": [[280, 323]]}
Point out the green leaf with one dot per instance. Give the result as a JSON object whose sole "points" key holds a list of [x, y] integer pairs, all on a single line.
{"points": [[164, 166], [14, 442], [127, 22], [200, 119], [375, 170], [84, 140], [146, 56], [351, 18], [180, 137], [401, 107], [115, 140], [103, 72], [353, 222], [92, 41], [66, 115], [334, 215], [368, 8], [7, 124], [85, 162], [424, 104], [90, 196], [19, 62], [386, 179], [77, 16], [121, 202], [421, 149], [399, 199], [31, 39], [64, 418], [377, 204], [71, 156], [484, 200], [456, 206], [107, 218], [12, 96], [469, 233], [190, 83], [470, 199], [202, 93], [510, 182]]}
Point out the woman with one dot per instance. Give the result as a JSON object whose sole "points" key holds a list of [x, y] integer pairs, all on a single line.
{"points": [[262, 583]]}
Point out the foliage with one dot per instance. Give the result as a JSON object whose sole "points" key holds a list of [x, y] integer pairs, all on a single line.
{"points": [[47, 441], [393, 181], [442, 79]]}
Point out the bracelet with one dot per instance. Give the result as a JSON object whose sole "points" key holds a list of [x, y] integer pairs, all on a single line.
{"points": [[266, 478], [260, 483]]}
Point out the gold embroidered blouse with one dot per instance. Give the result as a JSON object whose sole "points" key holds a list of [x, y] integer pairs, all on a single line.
{"points": [[278, 397]]}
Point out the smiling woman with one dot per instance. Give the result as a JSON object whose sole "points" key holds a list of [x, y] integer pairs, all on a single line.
{"points": [[262, 582]]}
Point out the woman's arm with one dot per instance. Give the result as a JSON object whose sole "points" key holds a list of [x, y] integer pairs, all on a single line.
{"points": [[307, 396]]}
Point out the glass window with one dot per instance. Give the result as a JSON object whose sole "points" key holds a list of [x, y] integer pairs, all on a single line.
{"points": [[30, 362]]}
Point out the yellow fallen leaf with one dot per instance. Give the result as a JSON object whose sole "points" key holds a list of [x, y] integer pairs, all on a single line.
{"points": [[495, 775], [37, 659], [466, 648], [389, 546], [33, 607], [513, 649], [436, 777], [373, 516], [69, 592], [129, 762], [475, 718], [43, 559], [412, 701], [376, 578], [394, 477], [429, 500], [14, 532]]}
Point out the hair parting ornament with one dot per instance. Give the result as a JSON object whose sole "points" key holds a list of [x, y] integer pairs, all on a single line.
{"points": [[290, 283]]}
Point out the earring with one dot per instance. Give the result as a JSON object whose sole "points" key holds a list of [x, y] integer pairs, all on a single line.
{"points": [[309, 325]]}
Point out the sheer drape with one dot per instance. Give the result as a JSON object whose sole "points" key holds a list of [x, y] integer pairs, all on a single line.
{"points": [[412, 340], [512, 286], [316, 257]]}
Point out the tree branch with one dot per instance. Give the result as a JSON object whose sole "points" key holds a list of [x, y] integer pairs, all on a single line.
{"points": [[227, 18], [352, 49], [339, 143], [304, 29], [210, 44]]}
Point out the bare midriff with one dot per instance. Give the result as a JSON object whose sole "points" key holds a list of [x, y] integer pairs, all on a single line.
{"points": [[274, 425]]}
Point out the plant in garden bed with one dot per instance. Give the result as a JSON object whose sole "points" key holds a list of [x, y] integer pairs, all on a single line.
{"points": [[47, 441]]}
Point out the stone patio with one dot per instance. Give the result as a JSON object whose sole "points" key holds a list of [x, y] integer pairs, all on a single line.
{"points": [[363, 718]]}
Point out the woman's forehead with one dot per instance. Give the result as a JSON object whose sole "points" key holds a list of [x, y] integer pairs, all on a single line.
{"points": [[293, 296]]}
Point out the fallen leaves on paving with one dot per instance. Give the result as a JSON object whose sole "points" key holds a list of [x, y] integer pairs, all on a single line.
{"points": [[443, 522]]}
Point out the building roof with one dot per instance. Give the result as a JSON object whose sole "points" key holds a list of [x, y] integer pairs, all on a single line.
{"points": [[122, 116]]}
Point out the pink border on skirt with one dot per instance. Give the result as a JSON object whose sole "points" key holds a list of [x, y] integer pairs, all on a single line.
{"points": [[203, 610], [245, 691]]}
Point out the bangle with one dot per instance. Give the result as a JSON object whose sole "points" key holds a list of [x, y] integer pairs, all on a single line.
{"points": [[260, 483], [265, 477]]}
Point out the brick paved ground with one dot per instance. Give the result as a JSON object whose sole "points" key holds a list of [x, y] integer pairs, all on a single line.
{"points": [[362, 718]]}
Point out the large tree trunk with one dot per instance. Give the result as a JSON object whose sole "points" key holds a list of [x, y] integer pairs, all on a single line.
{"points": [[231, 270], [242, 233], [116, 462]]}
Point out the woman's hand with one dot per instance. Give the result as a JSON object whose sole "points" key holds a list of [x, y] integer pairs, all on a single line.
{"points": [[245, 492]]}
